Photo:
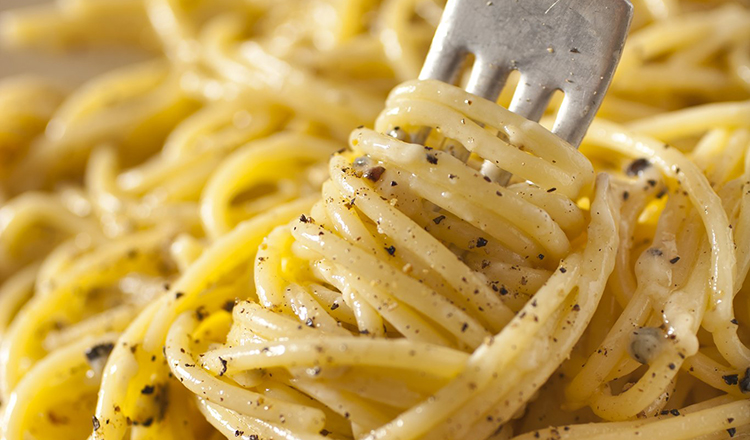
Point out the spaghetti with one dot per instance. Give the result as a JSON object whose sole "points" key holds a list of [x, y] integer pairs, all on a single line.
{"points": [[197, 247]]}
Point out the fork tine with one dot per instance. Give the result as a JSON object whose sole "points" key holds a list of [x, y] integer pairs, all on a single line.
{"points": [[487, 79], [573, 119], [530, 99], [443, 63]]}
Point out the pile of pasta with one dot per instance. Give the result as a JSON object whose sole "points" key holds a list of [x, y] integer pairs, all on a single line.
{"points": [[200, 247]]}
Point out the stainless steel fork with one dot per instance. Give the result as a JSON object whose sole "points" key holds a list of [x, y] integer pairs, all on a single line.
{"points": [[568, 45]]}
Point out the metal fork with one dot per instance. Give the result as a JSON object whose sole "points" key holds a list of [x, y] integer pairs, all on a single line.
{"points": [[568, 45]]}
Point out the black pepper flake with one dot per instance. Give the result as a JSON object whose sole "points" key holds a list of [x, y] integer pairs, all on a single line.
{"points": [[223, 366], [745, 382], [394, 183], [563, 270], [96, 423], [178, 295], [438, 219], [464, 327], [391, 250], [334, 306], [503, 290], [431, 159], [310, 323], [655, 252], [637, 166], [253, 437], [201, 313], [662, 193], [324, 432], [576, 308], [451, 176], [674, 260], [651, 182], [731, 379], [146, 423], [303, 218], [237, 433], [481, 242], [148, 389], [625, 195], [664, 412], [551, 190], [672, 366], [487, 179], [734, 321], [98, 351], [228, 306], [374, 173], [732, 431], [575, 50], [540, 256], [674, 412]]}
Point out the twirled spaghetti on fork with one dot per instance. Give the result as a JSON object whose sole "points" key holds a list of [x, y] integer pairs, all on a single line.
{"points": [[197, 247]]}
